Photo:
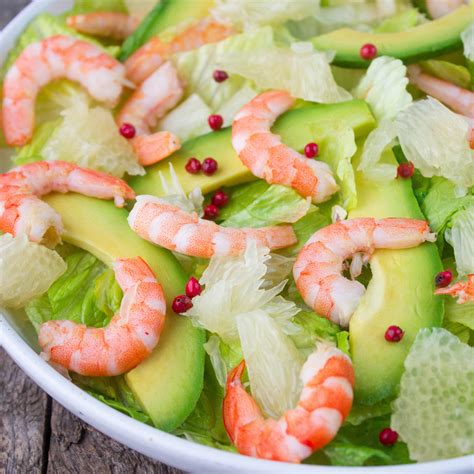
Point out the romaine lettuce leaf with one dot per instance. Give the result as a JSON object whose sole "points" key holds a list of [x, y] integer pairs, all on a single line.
{"points": [[290, 69], [359, 446], [196, 66], [86, 293]]}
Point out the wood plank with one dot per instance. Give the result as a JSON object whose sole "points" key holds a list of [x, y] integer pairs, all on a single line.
{"points": [[24, 419], [75, 447]]}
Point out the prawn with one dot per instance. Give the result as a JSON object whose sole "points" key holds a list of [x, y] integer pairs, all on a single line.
{"points": [[463, 290], [128, 339], [114, 25], [151, 100], [21, 210], [439, 8], [320, 263], [263, 153], [53, 58], [151, 55], [160, 222], [325, 401]]}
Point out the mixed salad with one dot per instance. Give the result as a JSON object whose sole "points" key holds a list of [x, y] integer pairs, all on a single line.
{"points": [[250, 223]]}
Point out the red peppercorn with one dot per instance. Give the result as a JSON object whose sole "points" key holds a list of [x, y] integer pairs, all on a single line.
{"points": [[311, 150], [394, 334], [209, 166], [443, 279], [193, 288], [215, 121], [127, 130], [181, 304], [211, 212], [220, 76], [220, 198], [193, 166], [405, 170], [388, 437], [368, 51]]}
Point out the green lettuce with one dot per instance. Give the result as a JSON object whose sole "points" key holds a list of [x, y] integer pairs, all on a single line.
{"points": [[84, 6], [359, 446], [401, 22], [460, 235], [448, 71], [86, 293]]}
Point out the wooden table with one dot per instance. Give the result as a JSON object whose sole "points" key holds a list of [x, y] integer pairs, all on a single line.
{"points": [[37, 435]]}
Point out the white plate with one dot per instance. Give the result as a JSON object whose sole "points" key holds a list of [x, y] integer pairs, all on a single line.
{"points": [[18, 339]]}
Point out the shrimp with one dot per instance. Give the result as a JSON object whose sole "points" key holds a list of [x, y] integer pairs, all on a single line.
{"points": [[263, 153], [21, 210], [463, 290], [319, 264], [128, 339], [158, 94], [160, 222], [439, 8], [55, 57], [325, 401], [152, 55], [155, 96], [459, 99], [155, 147], [117, 26]]}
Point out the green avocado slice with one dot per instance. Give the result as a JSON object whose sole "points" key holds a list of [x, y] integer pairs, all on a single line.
{"points": [[401, 292], [296, 127], [422, 42], [169, 382]]}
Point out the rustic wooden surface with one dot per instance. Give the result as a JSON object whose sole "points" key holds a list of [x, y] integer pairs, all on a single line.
{"points": [[37, 435]]}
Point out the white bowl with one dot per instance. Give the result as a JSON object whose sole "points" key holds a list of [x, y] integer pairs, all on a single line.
{"points": [[18, 338]]}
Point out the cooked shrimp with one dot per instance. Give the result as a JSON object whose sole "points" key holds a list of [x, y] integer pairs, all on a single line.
{"points": [[439, 8], [54, 58], [462, 290], [325, 401], [158, 94], [155, 147], [459, 99], [263, 153], [319, 265], [154, 53], [128, 339], [21, 210], [117, 26], [164, 224]]}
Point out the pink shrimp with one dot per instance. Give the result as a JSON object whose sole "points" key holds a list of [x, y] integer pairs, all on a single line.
{"points": [[263, 153], [154, 53], [54, 58], [319, 264], [155, 96], [164, 224], [21, 210], [439, 8], [128, 339], [459, 99], [114, 25], [325, 401], [463, 290]]}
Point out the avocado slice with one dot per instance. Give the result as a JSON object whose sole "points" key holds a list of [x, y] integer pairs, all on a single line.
{"points": [[401, 292], [166, 14], [296, 128], [423, 42], [169, 382]]}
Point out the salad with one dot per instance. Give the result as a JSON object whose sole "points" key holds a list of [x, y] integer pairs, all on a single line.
{"points": [[250, 223]]}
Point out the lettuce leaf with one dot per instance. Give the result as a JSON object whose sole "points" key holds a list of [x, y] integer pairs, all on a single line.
{"points": [[42, 27], [455, 73], [85, 6], [86, 293], [359, 446], [459, 319], [196, 66], [460, 235], [401, 22]]}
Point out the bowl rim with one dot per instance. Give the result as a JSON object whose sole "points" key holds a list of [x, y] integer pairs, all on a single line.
{"points": [[143, 438]]}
